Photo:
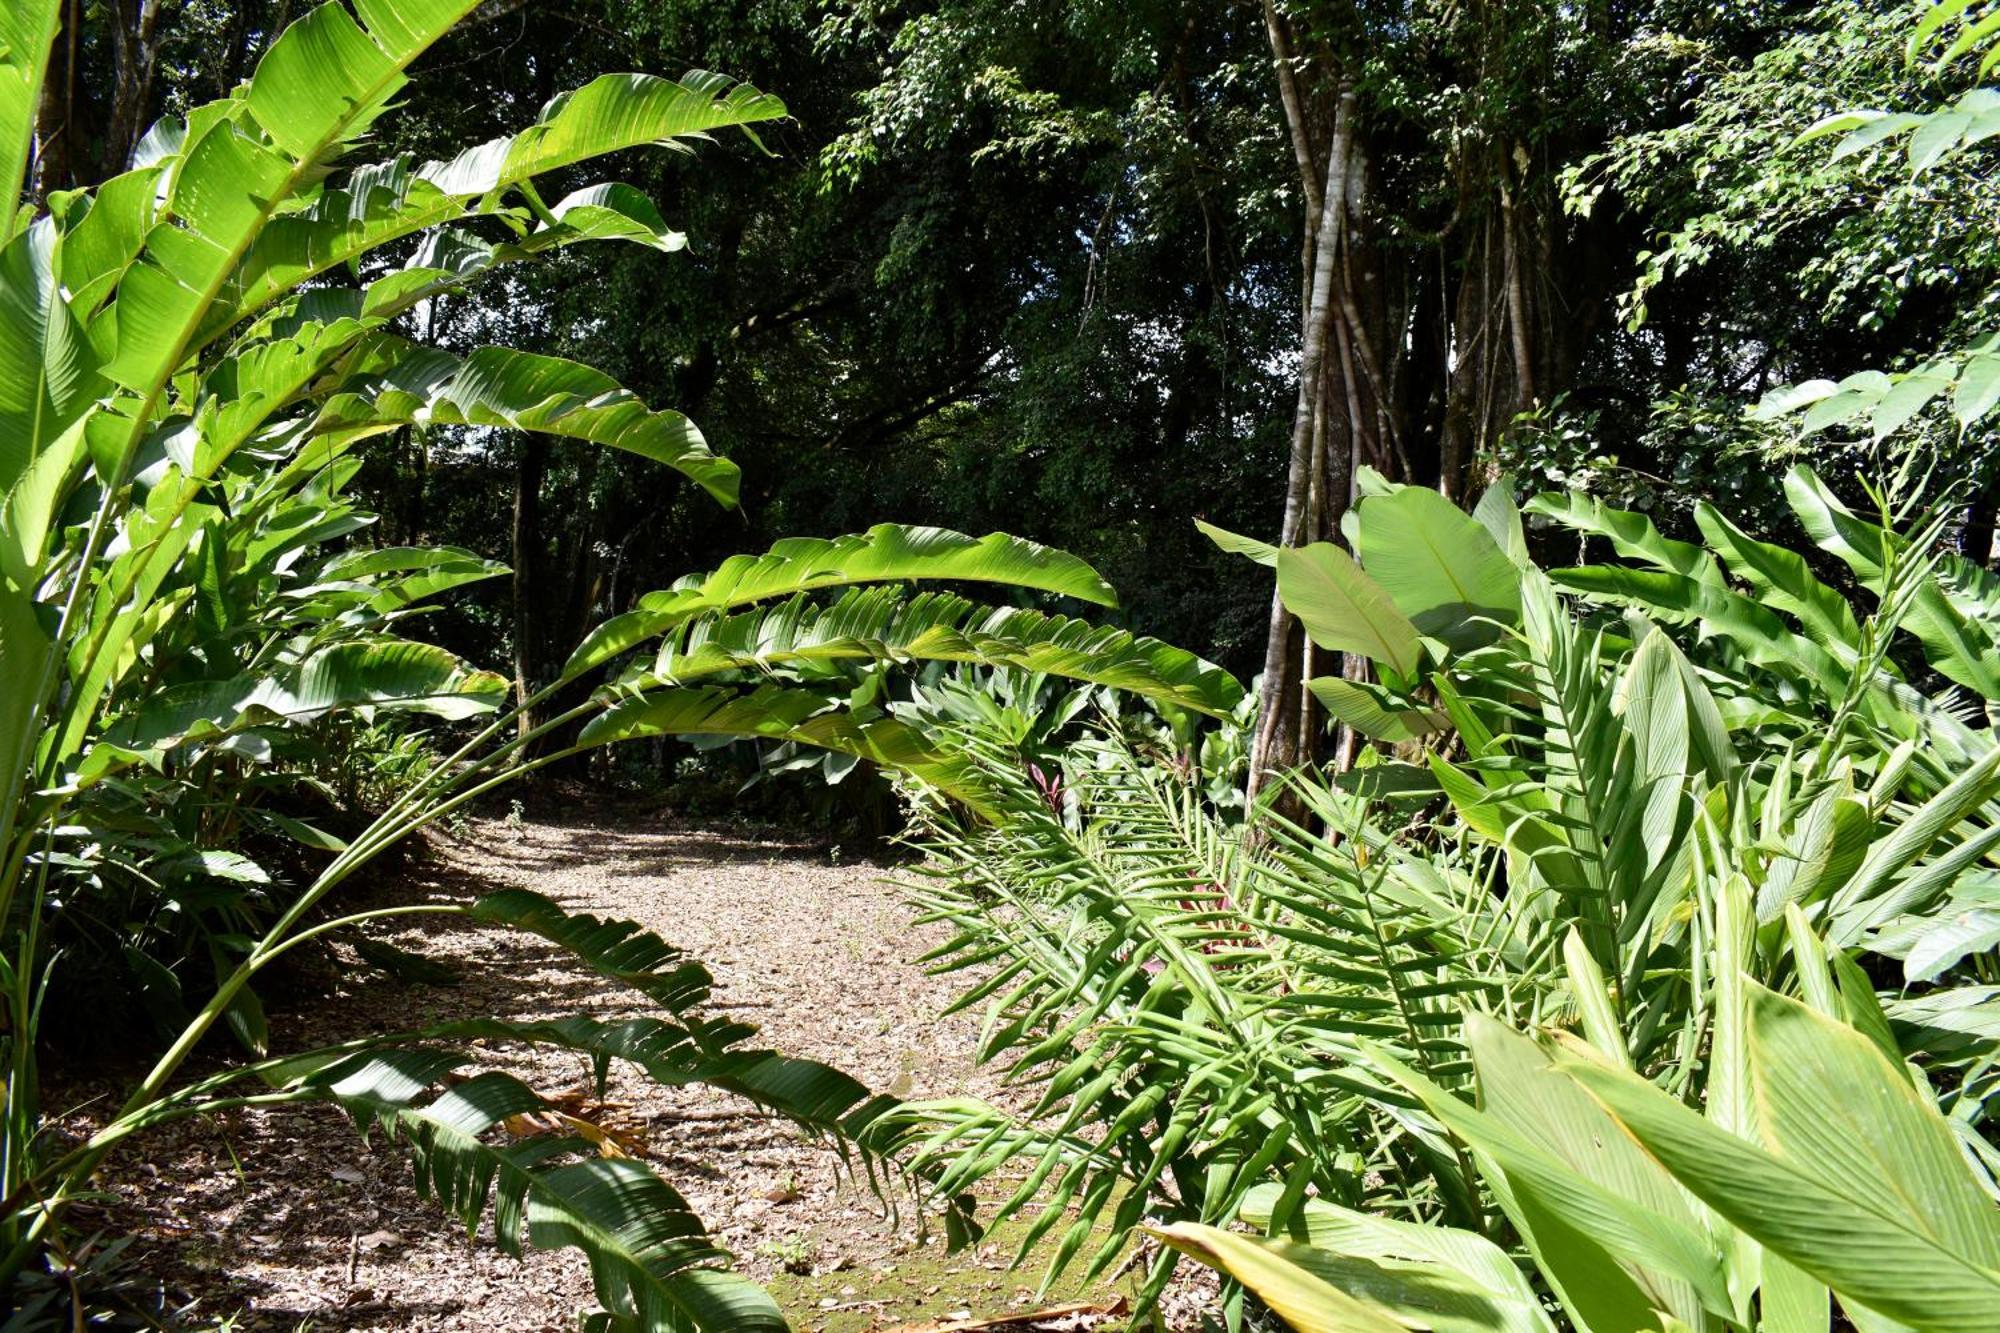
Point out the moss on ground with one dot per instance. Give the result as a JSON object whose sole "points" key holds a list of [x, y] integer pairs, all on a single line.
{"points": [[927, 1284]]}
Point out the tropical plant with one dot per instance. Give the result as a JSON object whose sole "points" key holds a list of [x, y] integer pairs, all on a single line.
{"points": [[158, 868], [186, 379], [1820, 1167], [1566, 798], [1934, 141]]}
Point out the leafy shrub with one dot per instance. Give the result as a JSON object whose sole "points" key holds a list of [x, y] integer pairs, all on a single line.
{"points": [[1579, 824], [184, 379]]}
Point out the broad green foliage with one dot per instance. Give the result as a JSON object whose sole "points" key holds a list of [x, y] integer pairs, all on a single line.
{"points": [[191, 633], [1846, 1176], [1632, 815], [26, 33]]}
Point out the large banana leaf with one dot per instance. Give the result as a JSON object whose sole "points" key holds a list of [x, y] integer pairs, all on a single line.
{"points": [[1343, 609], [497, 386], [610, 113], [229, 178], [368, 675], [884, 624], [775, 713], [27, 29], [886, 553], [1440, 566]]}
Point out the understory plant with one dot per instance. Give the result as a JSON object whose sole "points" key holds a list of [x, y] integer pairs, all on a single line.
{"points": [[190, 357], [1584, 820], [1639, 973]]}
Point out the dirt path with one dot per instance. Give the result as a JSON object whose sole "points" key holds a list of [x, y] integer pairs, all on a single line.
{"points": [[315, 1230]]}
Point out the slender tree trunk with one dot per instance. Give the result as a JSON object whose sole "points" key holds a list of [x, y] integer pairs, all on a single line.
{"points": [[529, 561], [1518, 319], [136, 45], [1281, 712]]}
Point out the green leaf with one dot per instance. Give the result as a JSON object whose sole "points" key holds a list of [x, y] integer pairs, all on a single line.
{"points": [[323, 80], [886, 553], [389, 201], [1874, 128], [1279, 1272], [801, 717], [1501, 517], [393, 675], [1936, 134], [1505, 1300], [1911, 395], [615, 212], [1439, 566], [1791, 1300], [1860, 1182], [1374, 712], [651, 1260], [49, 377], [368, 675], [620, 951], [1789, 398], [1617, 1240], [497, 386], [27, 29], [885, 624], [1628, 1205], [1957, 645], [1751, 627], [1933, 17], [1977, 391], [1950, 939], [420, 573], [1632, 535], [1675, 725], [1344, 609], [1264, 553], [1854, 904], [1782, 579]]}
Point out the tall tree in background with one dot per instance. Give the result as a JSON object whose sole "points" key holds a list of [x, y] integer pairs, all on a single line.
{"points": [[1442, 290]]}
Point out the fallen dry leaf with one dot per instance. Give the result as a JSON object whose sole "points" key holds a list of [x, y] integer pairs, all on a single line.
{"points": [[609, 1138]]}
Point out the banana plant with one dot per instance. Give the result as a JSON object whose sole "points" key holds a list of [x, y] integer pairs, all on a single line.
{"points": [[185, 375]]}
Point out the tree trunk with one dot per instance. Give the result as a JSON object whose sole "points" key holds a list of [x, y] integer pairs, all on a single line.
{"points": [[529, 561], [1327, 424]]}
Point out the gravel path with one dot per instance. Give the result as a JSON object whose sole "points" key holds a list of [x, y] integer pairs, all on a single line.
{"points": [[315, 1230]]}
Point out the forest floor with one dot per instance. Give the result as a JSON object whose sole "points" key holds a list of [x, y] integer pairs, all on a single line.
{"points": [[286, 1220]]}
